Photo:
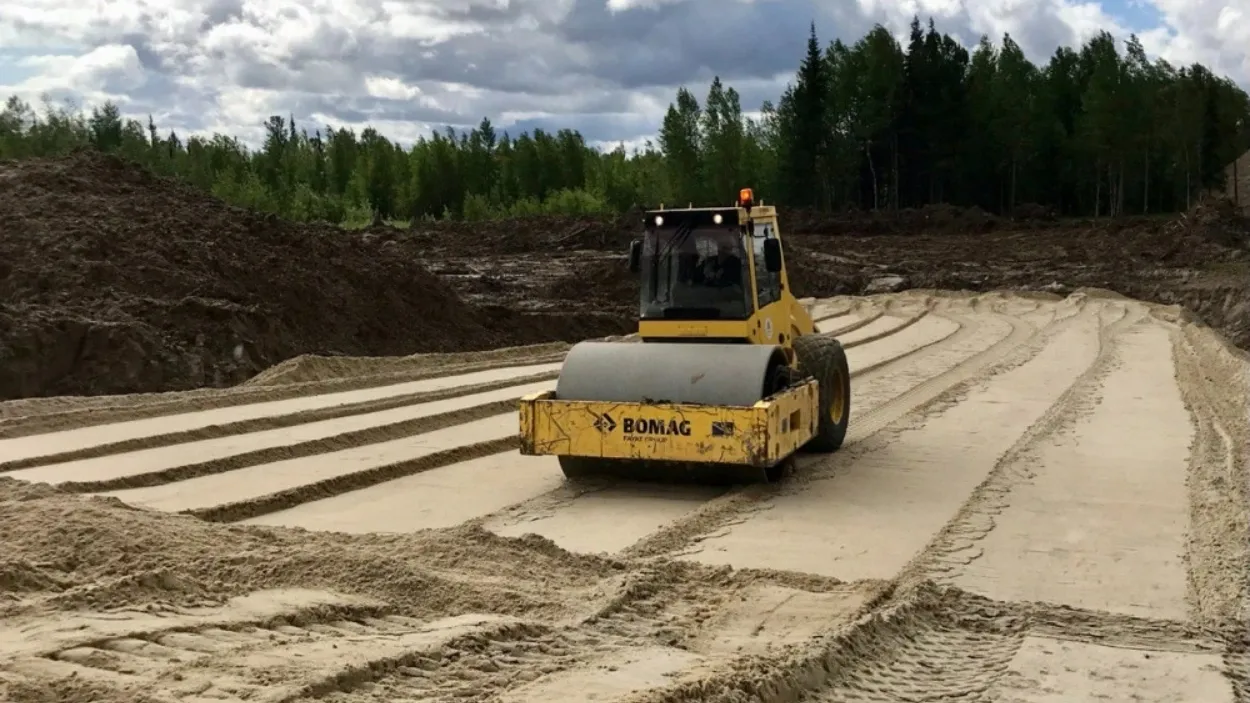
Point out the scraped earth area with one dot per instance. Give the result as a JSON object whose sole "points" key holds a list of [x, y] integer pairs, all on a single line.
{"points": [[1042, 498]]}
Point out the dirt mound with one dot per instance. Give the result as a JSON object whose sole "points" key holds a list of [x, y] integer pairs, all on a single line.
{"points": [[115, 280], [548, 233], [608, 284], [822, 275], [932, 219], [1217, 221], [522, 235], [1200, 260]]}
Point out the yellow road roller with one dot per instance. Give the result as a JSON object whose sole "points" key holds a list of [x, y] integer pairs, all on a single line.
{"points": [[729, 378]]}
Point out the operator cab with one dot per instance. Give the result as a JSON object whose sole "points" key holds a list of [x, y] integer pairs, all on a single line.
{"points": [[696, 263]]}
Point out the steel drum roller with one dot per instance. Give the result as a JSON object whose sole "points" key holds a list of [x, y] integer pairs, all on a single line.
{"points": [[703, 374]]}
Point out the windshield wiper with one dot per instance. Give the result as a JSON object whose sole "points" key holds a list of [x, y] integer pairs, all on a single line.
{"points": [[682, 234]]}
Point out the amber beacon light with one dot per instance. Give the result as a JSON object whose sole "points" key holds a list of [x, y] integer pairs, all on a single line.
{"points": [[745, 198]]}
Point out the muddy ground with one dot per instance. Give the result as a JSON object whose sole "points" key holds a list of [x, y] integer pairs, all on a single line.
{"points": [[114, 281], [1200, 260]]}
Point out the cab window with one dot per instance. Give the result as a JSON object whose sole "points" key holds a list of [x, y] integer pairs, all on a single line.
{"points": [[768, 285], [698, 274]]}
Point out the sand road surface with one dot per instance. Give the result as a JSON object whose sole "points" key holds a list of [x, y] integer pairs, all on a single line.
{"points": [[1041, 499]]}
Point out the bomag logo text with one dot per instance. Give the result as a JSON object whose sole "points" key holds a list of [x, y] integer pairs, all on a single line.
{"points": [[655, 427]]}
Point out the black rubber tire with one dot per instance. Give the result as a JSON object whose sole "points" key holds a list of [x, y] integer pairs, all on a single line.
{"points": [[824, 359], [589, 469], [577, 467]]}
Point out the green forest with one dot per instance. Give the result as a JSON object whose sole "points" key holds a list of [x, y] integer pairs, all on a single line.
{"points": [[1097, 131]]}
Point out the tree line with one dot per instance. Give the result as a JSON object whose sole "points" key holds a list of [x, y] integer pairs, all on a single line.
{"points": [[871, 125]]}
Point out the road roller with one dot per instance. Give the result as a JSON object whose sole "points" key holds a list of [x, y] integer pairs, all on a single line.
{"points": [[728, 377]]}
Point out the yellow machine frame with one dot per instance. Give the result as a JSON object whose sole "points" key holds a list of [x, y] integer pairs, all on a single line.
{"points": [[761, 435]]}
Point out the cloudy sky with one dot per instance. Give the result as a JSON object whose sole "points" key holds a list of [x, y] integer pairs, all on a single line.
{"points": [[606, 67]]}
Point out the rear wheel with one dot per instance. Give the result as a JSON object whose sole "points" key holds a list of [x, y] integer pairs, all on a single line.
{"points": [[824, 359], [589, 470], [579, 467]]}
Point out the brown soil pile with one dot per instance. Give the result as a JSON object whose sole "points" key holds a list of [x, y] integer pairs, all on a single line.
{"points": [[603, 284], [546, 233], [608, 285], [522, 235], [1213, 227], [114, 280], [929, 219], [1200, 260], [820, 275]]}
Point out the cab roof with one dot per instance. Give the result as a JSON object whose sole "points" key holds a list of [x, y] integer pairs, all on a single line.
{"points": [[695, 217]]}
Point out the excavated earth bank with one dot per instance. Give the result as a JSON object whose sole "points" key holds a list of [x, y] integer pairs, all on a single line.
{"points": [[114, 280]]}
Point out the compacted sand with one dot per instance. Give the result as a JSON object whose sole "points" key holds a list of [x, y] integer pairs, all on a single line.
{"points": [[1042, 499]]}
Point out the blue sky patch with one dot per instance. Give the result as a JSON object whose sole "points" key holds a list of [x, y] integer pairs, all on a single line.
{"points": [[1136, 15]]}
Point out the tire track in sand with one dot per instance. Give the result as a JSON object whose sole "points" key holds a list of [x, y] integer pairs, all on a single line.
{"points": [[33, 416], [1072, 490], [990, 342], [839, 522], [273, 422], [164, 465], [166, 482], [648, 631], [659, 627], [263, 488], [1215, 386], [1049, 521], [348, 466], [656, 514], [690, 634], [319, 642], [835, 322], [944, 644], [667, 626], [387, 508], [82, 438], [32, 452], [948, 644], [286, 645], [381, 507], [844, 324]]}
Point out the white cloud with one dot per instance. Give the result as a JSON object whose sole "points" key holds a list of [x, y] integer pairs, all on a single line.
{"points": [[107, 72], [608, 67], [1215, 33], [390, 88], [622, 5]]}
